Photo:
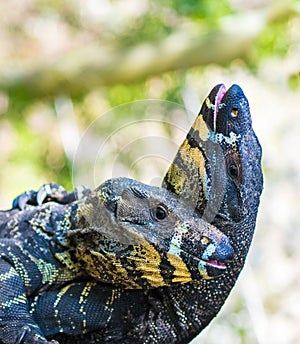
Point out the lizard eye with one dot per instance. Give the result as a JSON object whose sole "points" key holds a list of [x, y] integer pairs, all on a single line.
{"points": [[160, 212], [233, 167], [233, 170], [234, 112]]}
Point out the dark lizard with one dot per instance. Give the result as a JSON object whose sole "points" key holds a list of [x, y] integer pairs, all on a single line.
{"points": [[125, 233], [176, 314]]}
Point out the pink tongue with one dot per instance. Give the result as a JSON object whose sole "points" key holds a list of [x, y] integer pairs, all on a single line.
{"points": [[216, 264], [218, 99]]}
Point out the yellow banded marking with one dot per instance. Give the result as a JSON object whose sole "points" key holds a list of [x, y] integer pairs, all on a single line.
{"points": [[61, 294], [85, 292], [193, 162], [98, 264], [181, 273], [82, 301], [203, 271], [49, 272], [177, 177], [20, 269], [33, 305], [148, 264], [208, 103], [194, 157], [66, 259], [115, 295]]}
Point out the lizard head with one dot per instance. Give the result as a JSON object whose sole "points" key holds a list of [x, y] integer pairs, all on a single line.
{"points": [[146, 237], [219, 161], [227, 116]]}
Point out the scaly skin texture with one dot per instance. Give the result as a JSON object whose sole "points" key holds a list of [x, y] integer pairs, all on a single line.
{"points": [[218, 170], [241, 179], [125, 233]]}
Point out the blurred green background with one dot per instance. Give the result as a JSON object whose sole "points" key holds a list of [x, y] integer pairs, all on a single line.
{"points": [[64, 64]]}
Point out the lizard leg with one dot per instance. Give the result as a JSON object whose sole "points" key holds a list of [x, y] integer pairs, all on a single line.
{"points": [[48, 193], [16, 324]]}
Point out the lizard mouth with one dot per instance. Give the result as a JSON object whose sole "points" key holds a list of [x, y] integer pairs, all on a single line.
{"points": [[215, 264], [211, 268], [215, 121], [218, 99]]}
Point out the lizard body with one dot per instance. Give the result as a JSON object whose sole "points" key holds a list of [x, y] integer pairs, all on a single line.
{"points": [[125, 232], [218, 170]]}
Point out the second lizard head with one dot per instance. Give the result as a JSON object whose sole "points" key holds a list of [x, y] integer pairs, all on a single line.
{"points": [[146, 237]]}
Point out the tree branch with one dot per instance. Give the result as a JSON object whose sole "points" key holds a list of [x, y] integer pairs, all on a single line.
{"points": [[92, 66]]}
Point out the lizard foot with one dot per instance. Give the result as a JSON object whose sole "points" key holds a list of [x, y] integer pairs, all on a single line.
{"points": [[25, 198], [48, 193]]}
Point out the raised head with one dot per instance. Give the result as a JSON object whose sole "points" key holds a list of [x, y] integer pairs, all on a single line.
{"points": [[218, 166]]}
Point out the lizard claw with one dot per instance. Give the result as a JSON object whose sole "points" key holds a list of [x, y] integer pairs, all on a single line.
{"points": [[48, 193], [25, 198], [54, 193], [24, 331], [44, 192]]}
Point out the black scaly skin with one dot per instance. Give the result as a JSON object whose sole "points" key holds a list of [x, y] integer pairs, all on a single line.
{"points": [[200, 302], [176, 314], [125, 233]]}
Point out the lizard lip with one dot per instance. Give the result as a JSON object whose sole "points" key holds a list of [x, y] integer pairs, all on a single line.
{"points": [[215, 264]]}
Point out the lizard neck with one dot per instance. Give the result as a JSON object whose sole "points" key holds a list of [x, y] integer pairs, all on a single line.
{"points": [[195, 304]]}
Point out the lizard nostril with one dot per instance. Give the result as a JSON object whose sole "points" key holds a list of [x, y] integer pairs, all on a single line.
{"points": [[226, 251]]}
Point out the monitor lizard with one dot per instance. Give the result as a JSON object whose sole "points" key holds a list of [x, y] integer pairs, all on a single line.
{"points": [[176, 314], [125, 233]]}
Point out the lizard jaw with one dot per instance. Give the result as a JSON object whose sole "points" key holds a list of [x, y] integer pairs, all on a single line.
{"points": [[211, 268]]}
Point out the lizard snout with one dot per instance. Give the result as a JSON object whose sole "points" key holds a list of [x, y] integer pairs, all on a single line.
{"points": [[224, 250], [216, 251]]}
